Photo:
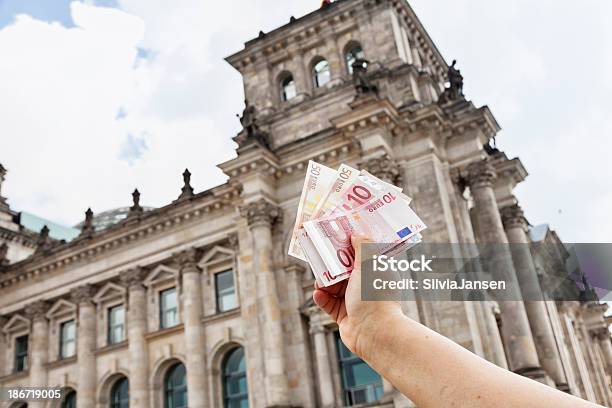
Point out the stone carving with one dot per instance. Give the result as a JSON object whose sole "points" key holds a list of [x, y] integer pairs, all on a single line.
{"points": [[3, 203], [360, 78], [455, 89], [384, 168], [601, 333], [37, 310], [251, 131], [132, 277], [188, 260], [232, 241], [43, 242], [135, 209], [513, 217], [82, 294], [88, 228], [480, 174], [261, 211], [187, 190]]}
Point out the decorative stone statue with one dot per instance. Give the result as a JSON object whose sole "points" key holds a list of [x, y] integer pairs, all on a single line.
{"points": [[88, 228], [456, 81], [455, 89], [360, 79], [187, 190], [135, 209], [251, 131]]}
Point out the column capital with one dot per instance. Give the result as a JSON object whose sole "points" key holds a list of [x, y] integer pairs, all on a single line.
{"points": [[132, 278], [316, 327], [37, 310], [513, 217], [385, 168], [261, 212], [82, 294], [480, 174], [188, 260]]}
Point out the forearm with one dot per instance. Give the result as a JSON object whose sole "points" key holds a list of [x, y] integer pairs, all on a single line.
{"points": [[434, 371]]}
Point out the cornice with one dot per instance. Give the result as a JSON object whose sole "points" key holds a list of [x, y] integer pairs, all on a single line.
{"points": [[124, 233], [22, 237]]}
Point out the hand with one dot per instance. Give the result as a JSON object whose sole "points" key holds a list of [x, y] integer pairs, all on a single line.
{"points": [[359, 321]]}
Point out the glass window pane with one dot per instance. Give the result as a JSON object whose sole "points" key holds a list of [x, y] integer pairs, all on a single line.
{"points": [[288, 90], [67, 339], [69, 400], [169, 308], [352, 55], [235, 391], [226, 292], [116, 324], [321, 73], [21, 353], [175, 387]]}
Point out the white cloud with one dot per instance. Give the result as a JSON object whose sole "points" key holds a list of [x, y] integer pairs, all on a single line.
{"points": [[70, 98]]}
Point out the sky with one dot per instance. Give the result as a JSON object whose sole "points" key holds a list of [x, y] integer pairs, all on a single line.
{"points": [[98, 97]]}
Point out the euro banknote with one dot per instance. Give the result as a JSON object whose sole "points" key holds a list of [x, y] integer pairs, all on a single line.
{"points": [[386, 220], [316, 183]]}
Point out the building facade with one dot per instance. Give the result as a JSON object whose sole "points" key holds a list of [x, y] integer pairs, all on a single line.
{"points": [[197, 303]]}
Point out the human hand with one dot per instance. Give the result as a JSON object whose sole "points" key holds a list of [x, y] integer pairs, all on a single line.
{"points": [[358, 321]]}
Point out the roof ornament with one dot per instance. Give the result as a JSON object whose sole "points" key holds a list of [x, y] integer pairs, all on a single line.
{"points": [[187, 190], [2, 174], [455, 88], [360, 78], [43, 242], [135, 209], [88, 228]]}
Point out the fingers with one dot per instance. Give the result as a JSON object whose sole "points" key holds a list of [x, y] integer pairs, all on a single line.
{"points": [[334, 290], [324, 300]]}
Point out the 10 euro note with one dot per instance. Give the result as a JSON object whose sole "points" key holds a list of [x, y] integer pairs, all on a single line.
{"points": [[316, 184], [386, 220]]}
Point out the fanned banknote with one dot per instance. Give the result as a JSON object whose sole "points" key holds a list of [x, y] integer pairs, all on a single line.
{"points": [[337, 204]]}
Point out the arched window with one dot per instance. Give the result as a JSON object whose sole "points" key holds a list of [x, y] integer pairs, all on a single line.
{"points": [[353, 53], [175, 387], [320, 73], [235, 393], [69, 400], [360, 383], [287, 87], [120, 394]]}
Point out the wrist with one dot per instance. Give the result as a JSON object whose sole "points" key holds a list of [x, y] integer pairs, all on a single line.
{"points": [[374, 331]]}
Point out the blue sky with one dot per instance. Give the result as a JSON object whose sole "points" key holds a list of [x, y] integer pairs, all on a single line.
{"points": [[100, 97]]}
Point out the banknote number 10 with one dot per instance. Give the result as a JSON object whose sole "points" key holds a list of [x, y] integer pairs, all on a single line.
{"points": [[359, 195]]}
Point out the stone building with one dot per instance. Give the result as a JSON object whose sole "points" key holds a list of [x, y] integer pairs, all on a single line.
{"points": [[198, 303]]}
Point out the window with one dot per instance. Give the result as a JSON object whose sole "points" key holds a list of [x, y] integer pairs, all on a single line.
{"points": [[226, 292], [116, 324], [320, 73], [175, 387], [120, 397], [235, 393], [21, 353], [288, 90], [69, 400], [168, 306], [360, 383], [353, 54], [67, 339]]}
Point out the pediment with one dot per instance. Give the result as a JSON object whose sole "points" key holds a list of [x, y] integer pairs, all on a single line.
{"points": [[161, 273], [61, 308], [16, 323], [109, 291], [215, 255]]}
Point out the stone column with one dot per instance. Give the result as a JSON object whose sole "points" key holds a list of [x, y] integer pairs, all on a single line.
{"points": [[3, 348], [86, 344], [136, 330], [326, 387], [40, 345], [261, 215], [195, 345], [605, 344], [516, 231], [516, 333]]}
